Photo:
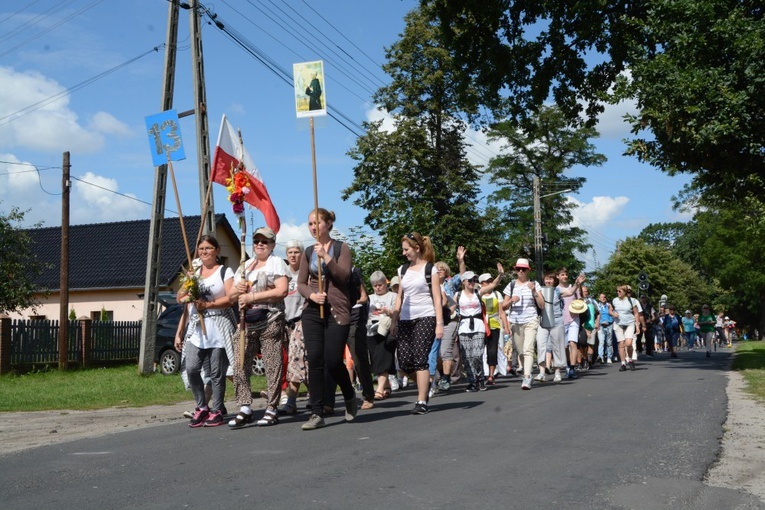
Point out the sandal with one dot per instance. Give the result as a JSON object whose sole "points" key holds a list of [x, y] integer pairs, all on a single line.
{"points": [[241, 420], [367, 404], [379, 396], [268, 419]]}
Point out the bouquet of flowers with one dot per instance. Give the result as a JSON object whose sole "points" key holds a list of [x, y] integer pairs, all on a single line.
{"points": [[190, 286], [238, 185]]}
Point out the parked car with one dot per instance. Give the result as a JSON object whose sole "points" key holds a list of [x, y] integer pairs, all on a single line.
{"points": [[167, 358]]}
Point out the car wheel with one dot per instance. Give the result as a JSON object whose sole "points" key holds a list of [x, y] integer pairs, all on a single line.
{"points": [[169, 362], [258, 367]]}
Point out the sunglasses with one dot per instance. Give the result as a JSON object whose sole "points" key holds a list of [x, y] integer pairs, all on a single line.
{"points": [[261, 241], [521, 269]]}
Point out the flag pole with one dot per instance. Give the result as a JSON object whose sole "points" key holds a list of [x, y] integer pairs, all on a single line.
{"points": [[316, 209], [242, 256], [183, 233]]}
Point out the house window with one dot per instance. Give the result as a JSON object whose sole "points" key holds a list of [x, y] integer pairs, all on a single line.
{"points": [[96, 316]]}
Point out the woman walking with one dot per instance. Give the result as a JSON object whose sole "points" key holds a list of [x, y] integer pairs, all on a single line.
{"points": [[260, 292], [418, 316], [626, 325], [208, 346], [326, 316]]}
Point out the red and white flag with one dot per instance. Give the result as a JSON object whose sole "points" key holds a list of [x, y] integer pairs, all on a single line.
{"points": [[229, 151]]}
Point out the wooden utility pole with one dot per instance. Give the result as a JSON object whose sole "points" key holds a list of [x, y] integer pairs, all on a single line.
{"points": [[149, 322], [200, 113], [63, 312]]}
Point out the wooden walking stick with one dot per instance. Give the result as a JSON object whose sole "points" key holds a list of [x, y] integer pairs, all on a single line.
{"points": [[316, 211], [183, 233], [242, 257]]}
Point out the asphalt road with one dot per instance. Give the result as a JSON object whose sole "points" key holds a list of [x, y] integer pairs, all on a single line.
{"points": [[608, 440]]}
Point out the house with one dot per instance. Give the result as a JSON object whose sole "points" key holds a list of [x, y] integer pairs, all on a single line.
{"points": [[107, 265]]}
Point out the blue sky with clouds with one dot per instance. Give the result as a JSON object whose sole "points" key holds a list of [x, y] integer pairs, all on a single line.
{"points": [[81, 75]]}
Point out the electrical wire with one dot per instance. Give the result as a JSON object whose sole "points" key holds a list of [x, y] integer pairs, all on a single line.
{"points": [[55, 97], [10, 16]]}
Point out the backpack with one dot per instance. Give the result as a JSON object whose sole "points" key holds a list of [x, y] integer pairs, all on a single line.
{"points": [[484, 317], [446, 313]]}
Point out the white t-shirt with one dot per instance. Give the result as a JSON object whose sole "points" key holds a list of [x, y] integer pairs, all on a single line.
{"points": [[417, 301], [524, 310], [623, 306], [264, 277], [211, 288], [293, 303], [377, 303], [470, 307]]}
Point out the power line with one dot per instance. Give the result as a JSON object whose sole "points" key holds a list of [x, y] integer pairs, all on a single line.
{"points": [[10, 16], [55, 97]]}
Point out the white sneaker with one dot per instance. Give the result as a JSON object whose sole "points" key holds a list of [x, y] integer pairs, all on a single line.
{"points": [[541, 377], [394, 386], [557, 377], [526, 383], [609, 361], [431, 392], [404, 382]]}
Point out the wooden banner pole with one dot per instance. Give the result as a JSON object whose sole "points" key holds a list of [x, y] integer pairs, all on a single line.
{"points": [[316, 209]]}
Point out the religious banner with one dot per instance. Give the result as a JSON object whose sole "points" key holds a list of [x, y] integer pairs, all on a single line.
{"points": [[310, 96]]}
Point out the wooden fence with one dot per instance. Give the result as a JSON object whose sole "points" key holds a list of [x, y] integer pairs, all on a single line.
{"points": [[26, 344]]}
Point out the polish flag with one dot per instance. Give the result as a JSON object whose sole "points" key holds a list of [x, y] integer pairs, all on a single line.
{"points": [[230, 151]]}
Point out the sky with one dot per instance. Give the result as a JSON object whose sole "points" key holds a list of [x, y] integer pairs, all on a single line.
{"points": [[82, 75]]}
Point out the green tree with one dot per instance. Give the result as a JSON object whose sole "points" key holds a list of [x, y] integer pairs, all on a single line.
{"points": [[545, 148], [695, 68], [667, 273], [731, 251], [416, 176], [18, 265]]}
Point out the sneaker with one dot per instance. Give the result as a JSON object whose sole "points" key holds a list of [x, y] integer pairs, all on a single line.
{"points": [[632, 366], [190, 414], [393, 380], [609, 361], [623, 368], [482, 385], [269, 418], [215, 419], [600, 360], [420, 408], [432, 391], [513, 372], [541, 377], [240, 420], [571, 374], [471, 388], [557, 377], [200, 415], [288, 409], [526, 385], [443, 384], [351, 408], [313, 423], [404, 382]]}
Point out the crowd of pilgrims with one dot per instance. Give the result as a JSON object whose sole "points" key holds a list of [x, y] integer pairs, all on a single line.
{"points": [[315, 324]]}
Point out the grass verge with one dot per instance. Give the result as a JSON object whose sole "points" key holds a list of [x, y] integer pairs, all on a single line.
{"points": [[96, 388], [750, 361]]}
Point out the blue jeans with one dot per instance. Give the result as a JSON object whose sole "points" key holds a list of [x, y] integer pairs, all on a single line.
{"points": [[433, 356], [605, 345]]}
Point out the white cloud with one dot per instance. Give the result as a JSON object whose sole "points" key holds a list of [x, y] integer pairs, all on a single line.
{"points": [[49, 126], [479, 149], [94, 201], [106, 123], [611, 123], [597, 213]]}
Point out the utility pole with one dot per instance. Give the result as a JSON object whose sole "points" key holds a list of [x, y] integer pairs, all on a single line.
{"points": [[63, 312], [200, 112], [538, 231], [149, 322]]}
